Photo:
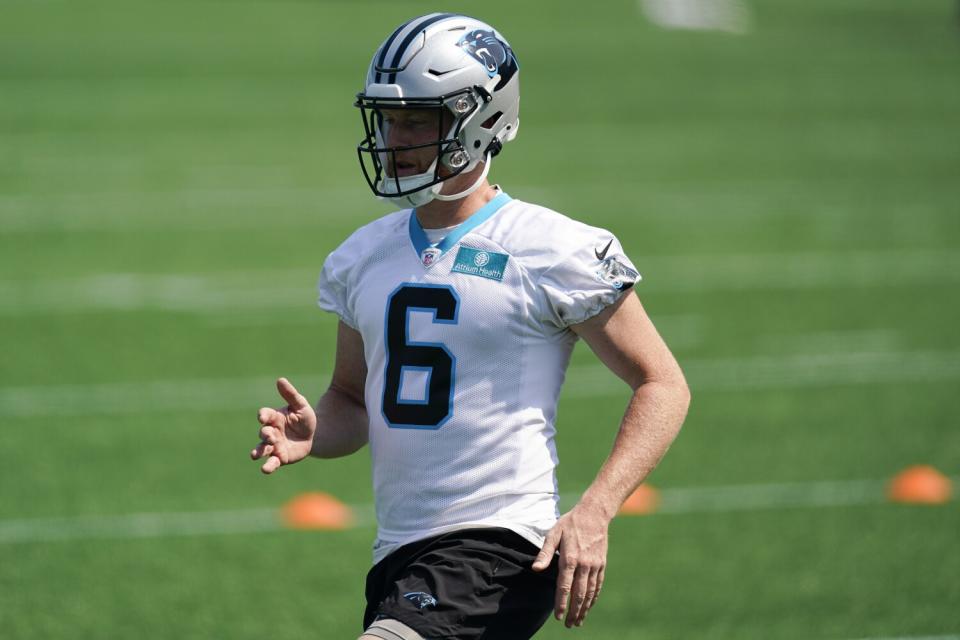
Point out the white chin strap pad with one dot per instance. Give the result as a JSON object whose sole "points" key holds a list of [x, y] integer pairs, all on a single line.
{"points": [[411, 201], [422, 197]]}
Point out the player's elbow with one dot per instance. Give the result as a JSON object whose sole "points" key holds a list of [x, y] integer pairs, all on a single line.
{"points": [[676, 392], [682, 390], [670, 378]]}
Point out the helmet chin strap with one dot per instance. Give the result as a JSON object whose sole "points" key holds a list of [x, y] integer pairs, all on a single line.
{"points": [[422, 197], [463, 194]]}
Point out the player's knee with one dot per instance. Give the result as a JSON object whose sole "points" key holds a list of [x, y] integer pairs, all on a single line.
{"points": [[389, 629]]}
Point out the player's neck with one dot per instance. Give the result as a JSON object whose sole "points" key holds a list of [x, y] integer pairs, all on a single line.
{"points": [[439, 214]]}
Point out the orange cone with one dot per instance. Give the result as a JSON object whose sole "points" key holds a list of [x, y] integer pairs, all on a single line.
{"points": [[920, 484], [641, 502], [317, 511]]}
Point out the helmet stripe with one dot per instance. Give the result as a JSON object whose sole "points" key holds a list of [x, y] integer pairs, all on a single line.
{"points": [[388, 43], [411, 36]]}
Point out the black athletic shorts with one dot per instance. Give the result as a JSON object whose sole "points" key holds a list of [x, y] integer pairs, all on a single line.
{"points": [[464, 585]]}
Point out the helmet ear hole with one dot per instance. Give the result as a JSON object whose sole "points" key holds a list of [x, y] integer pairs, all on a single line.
{"points": [[492, 121]]}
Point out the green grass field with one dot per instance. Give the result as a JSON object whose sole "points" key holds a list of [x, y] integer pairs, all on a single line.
{"points": [[172, 175]]}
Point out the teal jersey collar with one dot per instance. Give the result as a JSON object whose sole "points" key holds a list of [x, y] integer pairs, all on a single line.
{"points": [[419, 238]]}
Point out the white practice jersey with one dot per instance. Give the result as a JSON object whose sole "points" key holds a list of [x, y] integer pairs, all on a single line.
{"points": [[466, 345]]}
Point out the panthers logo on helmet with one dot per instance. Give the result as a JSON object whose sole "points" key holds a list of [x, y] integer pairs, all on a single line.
{"points": [[495, 55]]}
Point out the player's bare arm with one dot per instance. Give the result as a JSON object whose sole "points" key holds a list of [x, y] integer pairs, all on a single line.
{"points": [[336, 427], [625, 340]]}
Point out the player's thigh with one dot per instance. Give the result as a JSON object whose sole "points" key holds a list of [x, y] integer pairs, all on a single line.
{"points": [[389, 629]]}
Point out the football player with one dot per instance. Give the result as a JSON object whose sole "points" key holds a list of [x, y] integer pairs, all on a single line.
{"points": [[458, 314]]}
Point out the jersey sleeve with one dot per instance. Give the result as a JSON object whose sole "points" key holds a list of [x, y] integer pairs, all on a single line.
{"points": [[333, 286], [583, 283]]}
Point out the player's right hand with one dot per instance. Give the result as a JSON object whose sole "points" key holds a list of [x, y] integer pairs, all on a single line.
{"points": [[286, 435]]}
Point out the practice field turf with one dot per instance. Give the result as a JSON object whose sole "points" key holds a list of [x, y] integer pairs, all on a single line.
{"points": [[172, 175]]}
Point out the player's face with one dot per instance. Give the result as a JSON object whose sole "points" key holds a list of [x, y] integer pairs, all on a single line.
{"points": [[411, 127]]}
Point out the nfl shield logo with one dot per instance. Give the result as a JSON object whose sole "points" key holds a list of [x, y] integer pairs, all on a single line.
{"points": [[429, 256]]}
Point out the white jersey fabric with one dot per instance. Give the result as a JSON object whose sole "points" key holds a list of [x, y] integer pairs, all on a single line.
{"points": [[466, 344]]}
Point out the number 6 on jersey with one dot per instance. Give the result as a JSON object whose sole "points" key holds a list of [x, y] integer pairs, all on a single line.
{"points": [[432, 358]]}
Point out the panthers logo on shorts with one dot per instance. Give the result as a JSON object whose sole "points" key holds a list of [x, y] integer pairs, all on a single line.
{"points": [[421, 599], [494, 54]]}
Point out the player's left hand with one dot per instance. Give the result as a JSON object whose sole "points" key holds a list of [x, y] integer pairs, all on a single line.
{"points": [[580, 536], [286, 435]]}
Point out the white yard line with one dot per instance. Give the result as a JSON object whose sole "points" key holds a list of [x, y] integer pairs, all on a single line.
{"points": [[718, 374], [118, 292], [267, 289], [946, 637], [206, 394], [721, 499], [866, 339], [221, 209], [264, 195], [771, 496], [797, 271], [139, 525], [787, 371]]}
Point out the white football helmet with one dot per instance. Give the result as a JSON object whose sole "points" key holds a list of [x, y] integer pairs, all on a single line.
{"points": [[439, 61]]}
